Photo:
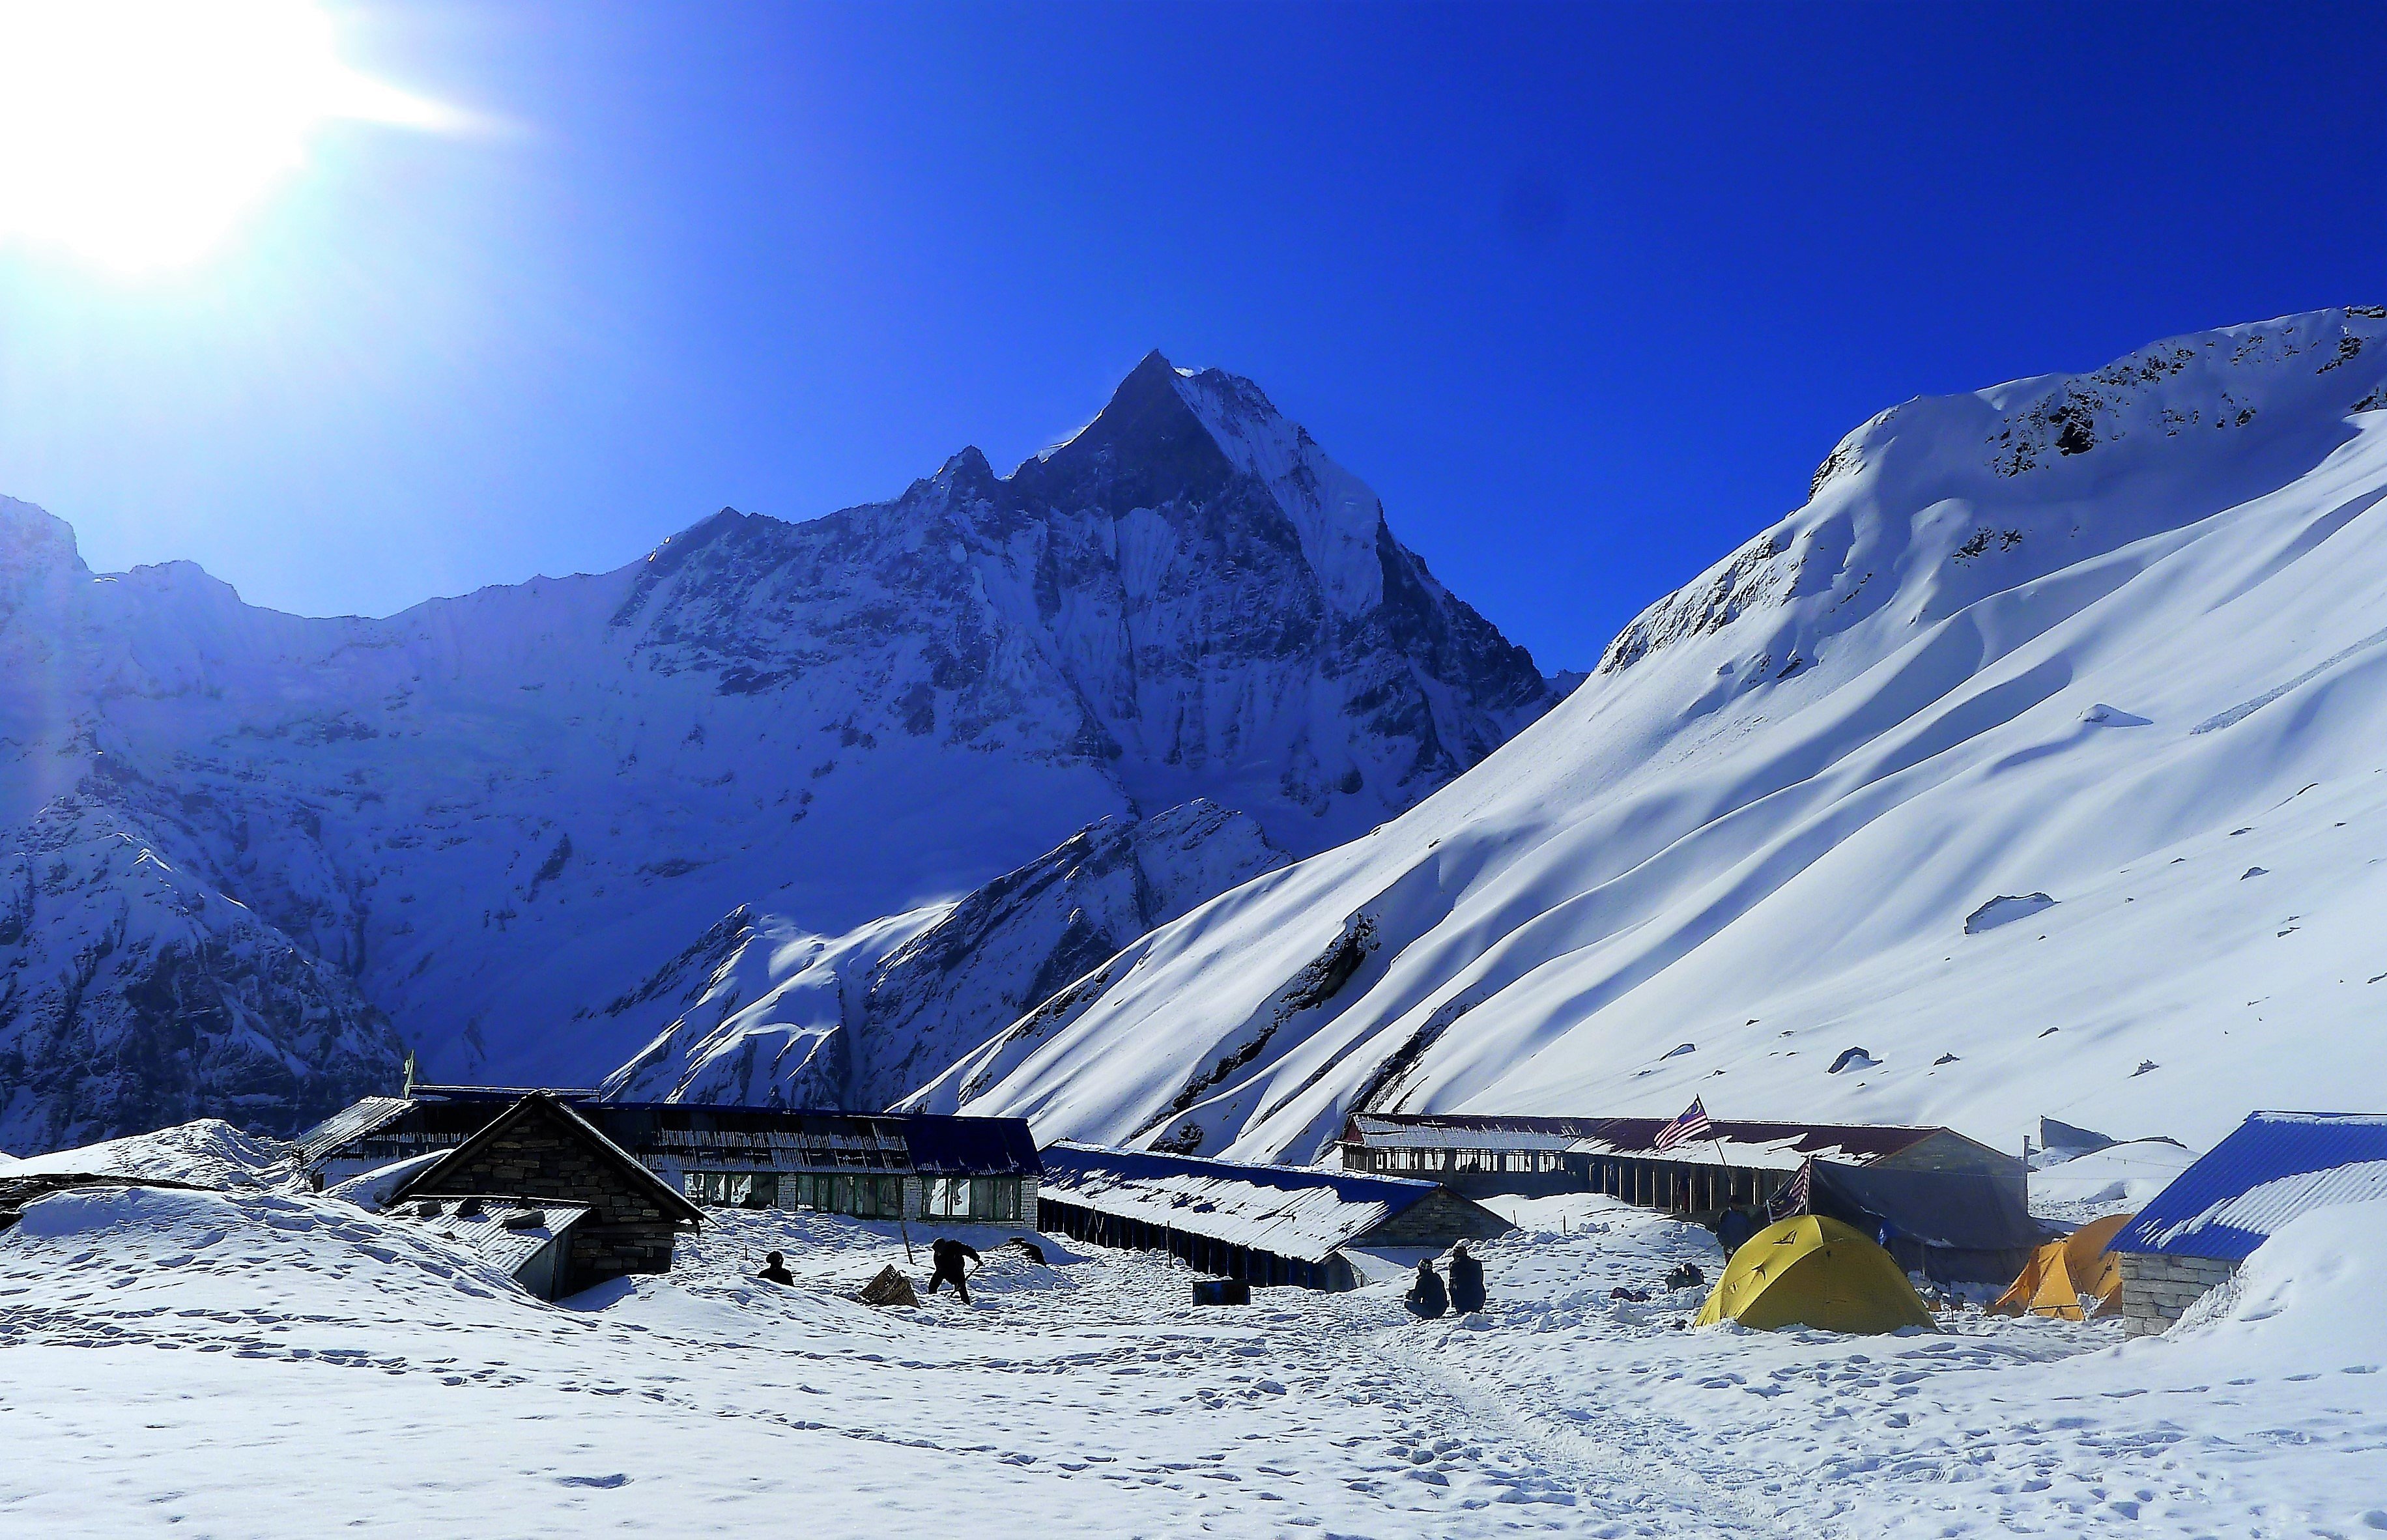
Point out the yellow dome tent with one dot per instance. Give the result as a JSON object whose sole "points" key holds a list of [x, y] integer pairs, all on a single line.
{"points": [[2062, 1274], [1813, 1271]]}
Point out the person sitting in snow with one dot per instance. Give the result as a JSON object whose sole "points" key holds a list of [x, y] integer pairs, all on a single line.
{"points": [[949, 1255], [1466, 1281], [774, 1270], [1426, 1299]]}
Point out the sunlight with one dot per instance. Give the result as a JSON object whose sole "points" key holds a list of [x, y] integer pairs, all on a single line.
{"points": [[137, 133]]}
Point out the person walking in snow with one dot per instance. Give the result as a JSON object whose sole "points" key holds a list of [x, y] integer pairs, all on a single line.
{"points": [[1426, 1299], [949, 1255], [1466, 1281], [774, 1270]]}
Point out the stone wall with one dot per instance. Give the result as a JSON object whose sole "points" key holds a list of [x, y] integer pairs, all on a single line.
{"points": [[1436, 1219], [2157, 1290], [540, 1155]]}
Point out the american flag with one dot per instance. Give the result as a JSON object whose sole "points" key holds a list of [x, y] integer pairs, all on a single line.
{"points": [[1791, 1199], [1692, 1124]]}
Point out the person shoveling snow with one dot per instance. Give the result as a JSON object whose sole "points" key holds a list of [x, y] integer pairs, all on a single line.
{"points": [[949, 1253]]}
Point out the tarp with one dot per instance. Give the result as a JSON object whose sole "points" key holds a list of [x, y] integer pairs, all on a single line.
{"points": [[1814, 1272], [1951, 1226], [2064, 1275]]}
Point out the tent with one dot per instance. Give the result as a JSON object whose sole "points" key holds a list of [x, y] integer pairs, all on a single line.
{"points": [[2062, 1274], [1813, 1271]]}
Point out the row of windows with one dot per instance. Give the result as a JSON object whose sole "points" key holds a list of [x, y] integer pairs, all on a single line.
{"points": [[994, 1200], [1521, 1161]]}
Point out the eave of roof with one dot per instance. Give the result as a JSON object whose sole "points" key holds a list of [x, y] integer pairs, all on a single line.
{"points": [[673, 1204], [1853, 1143]]}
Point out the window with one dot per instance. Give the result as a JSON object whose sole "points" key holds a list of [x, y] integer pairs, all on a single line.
{"points": [[988, 1200], [729, 1189]]}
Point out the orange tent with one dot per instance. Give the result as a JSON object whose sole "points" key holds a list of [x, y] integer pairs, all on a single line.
{"points": [[2064, 1275]]}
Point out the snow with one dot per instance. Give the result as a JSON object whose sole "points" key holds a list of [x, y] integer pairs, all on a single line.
{"points": [[1304, 1215], [228, 1363], [2119, 1178], [2264, 1207], [539, 831], [1762, 825], [209, 1153]]}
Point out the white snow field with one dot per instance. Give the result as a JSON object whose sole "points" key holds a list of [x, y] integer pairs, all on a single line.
{"points": [[267, 1362], [2041, 755]]}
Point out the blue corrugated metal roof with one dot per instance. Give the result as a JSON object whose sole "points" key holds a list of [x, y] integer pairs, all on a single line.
{"points": [[2276, 1166]]}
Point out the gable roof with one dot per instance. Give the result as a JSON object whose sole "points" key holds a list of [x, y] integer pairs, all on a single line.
{"points": [[1301, 1212], [2275, 1167], [667, 1198]]}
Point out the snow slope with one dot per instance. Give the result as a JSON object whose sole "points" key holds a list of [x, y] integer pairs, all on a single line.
{"points": [[250, 854], [2106, 645], [791, 1019]]}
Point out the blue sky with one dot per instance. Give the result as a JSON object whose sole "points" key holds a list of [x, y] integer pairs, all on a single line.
{"points": [[1584, 292]]}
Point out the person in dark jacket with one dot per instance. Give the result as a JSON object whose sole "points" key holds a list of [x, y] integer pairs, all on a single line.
{"points": [[949, 1255], [774, 1270], [1733, 1227], [1426, 1299], [1466, 1281]]}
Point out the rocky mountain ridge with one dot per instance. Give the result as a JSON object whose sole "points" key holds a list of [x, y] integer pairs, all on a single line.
{"points": [[2100, 655], [491, 817]]}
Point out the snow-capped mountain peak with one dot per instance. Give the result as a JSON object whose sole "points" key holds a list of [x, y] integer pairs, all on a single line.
{"points": [[497, 817], [2110, 639]]}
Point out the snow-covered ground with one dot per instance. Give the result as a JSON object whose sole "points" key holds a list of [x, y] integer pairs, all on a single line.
{"points": [[268, 1362]]}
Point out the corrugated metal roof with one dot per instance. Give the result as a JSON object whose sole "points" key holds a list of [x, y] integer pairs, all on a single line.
{"points": [[766, 1137], [1304, 1212], [366, 1118], [2276, 1166], [503, 1231], [1761, 1145]]}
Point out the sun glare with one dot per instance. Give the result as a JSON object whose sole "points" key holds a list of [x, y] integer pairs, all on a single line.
{"points": [[137, 133]]}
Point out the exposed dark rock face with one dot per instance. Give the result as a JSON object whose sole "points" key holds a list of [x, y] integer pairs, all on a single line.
{"points": [[495, 821]]}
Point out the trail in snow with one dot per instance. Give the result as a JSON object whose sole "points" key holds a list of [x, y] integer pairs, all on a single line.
{"points": [[272, 1363]]}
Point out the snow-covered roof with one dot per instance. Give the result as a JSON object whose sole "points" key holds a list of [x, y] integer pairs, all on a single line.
{"points": [[2274, 1167], [504, 1232], [1742, 1144], [1298, 1212], [762, 1138], [367, 1117]]}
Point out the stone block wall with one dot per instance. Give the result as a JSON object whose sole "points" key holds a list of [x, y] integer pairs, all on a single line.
{"points": [[542, 1157], [2157, 1290]]}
